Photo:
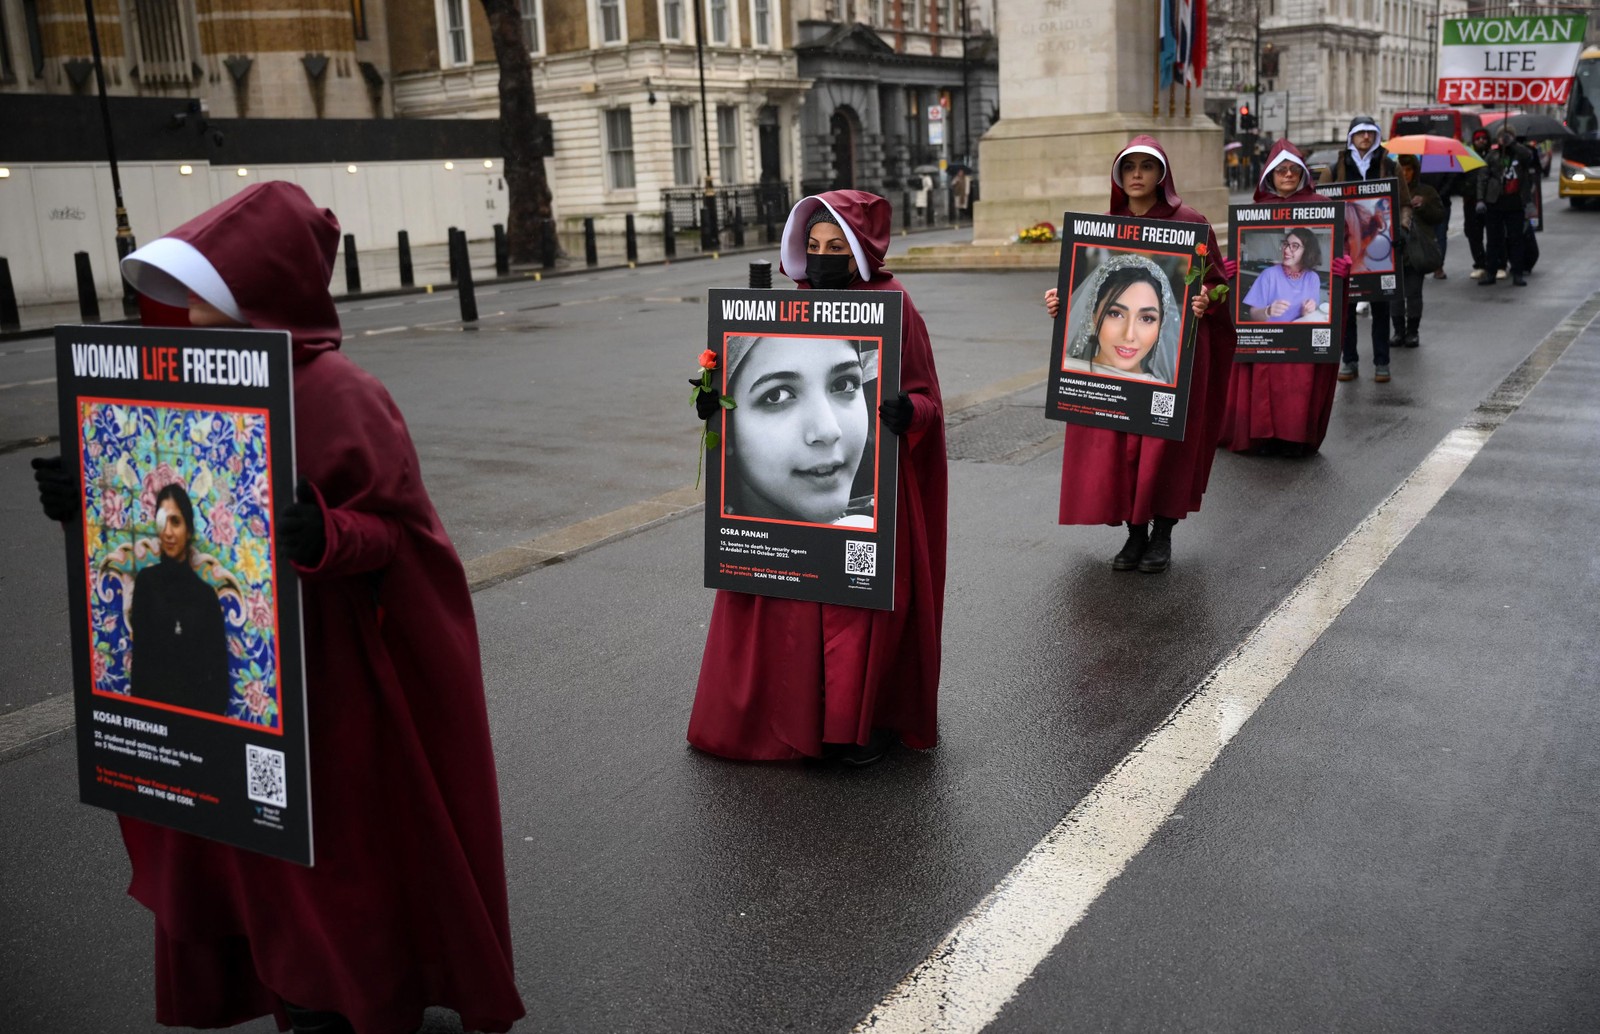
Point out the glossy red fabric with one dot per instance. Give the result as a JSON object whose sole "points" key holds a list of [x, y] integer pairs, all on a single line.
{"points": [[1279, 402], [781, 677], [1112, 477], [406, 905]]}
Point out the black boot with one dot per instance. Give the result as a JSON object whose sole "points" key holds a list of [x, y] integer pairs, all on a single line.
{"points": [[1133, 549], [316, 1021], [1411, 339], [1158, 554], [860, 755]]}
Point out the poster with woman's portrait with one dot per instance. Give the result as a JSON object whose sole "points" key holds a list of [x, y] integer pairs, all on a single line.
{"points": [[801, 481], [1121, 351], [1369, 237], [189, 685], [1287, 305]]}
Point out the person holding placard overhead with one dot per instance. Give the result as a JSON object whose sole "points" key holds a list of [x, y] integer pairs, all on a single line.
{"points": [[1147, 483]]}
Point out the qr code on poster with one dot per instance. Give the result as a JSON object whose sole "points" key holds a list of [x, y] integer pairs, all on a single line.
{"points": [[1162, 403], [1322, 338], [1386, 282], [861, 558], [264, 767]]}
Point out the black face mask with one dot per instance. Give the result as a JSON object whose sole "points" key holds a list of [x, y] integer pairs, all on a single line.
{"points": [[829, 272]]}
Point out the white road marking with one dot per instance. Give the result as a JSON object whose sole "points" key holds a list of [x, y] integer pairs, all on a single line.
{"points": [[983, 962], [28, 384], [383, 330], [380, 305]]}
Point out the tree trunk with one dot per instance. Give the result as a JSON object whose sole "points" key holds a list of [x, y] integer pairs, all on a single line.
{"points": [[524, 168]]}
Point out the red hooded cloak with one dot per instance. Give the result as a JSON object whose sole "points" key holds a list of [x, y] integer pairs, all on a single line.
{"points": [[1285, 402], [781, 677], [406, 905], [1113, 477]]}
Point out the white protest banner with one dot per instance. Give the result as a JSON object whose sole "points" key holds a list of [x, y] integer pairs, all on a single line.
{"points": [[1523, 60]]}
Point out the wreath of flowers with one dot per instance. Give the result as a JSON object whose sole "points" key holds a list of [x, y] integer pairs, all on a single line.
{"points": [[1039, 233]]}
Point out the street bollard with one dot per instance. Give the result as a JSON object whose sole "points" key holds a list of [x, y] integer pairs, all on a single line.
{"points": [[761, 273], [502, 251], [905, 211], [10, 318], [927, 210], [352, 266], [669, 235], [407, 277], [548, 246], [633, 240], [450, 249], [469, 300], [738, 225], [88, 297], [590, 255], [772, 227]]}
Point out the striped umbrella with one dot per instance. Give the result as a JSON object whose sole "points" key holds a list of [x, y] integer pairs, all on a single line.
{"points": [[1437, 153]]}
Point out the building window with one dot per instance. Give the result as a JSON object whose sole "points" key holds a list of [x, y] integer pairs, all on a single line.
{"points": [[682, 145], [945, 16], [619, 148], [7, 73], [533, 24], [875, 12], [719, 22], [30, 23], [457, 47], [761, 22], [672, 20], [611, 22], [728, 142], [358, 18], [163, 40]]}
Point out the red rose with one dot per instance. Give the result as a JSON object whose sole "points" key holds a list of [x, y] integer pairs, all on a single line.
{"points": [[708, 360], [1200, 249]]}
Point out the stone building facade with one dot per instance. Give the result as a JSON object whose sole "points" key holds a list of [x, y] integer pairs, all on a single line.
{"points": [[898, 86], [620, 82], [240, 58]]}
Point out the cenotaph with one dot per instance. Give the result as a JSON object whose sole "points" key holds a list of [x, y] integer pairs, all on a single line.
{"points": [[1077, 81]]}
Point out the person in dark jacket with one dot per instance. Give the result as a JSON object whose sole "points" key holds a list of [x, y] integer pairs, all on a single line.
{"points": [[180, 645], [1506, 204], [1421, 216], [1473, 185], [1365, 159]]}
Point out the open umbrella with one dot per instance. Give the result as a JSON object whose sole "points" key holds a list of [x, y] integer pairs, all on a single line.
{"points": [[1536, 127], [1232, 146], [1425, 145], [1495, 116]]}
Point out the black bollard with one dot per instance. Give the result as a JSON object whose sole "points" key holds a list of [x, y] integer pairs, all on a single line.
{"points": [[502, 251], [407, 277], [590, 255], [88, 297], [352, 266], [669, 234], [450, 248], [738, 225], [469, 300], [760, 273], [772, 227], [10, 318], [905, 211], [633, 240], [710, 236], [548, 246]]}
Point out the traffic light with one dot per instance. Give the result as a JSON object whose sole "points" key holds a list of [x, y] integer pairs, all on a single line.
{"points": [[1247, 121]]}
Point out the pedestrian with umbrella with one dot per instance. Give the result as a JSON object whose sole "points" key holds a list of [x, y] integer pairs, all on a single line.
{"points": [[1506, 204]]}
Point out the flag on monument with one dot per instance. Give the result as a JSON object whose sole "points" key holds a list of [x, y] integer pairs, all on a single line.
{"points": [[1520, 60], [1192, 40], [1168, 56]]}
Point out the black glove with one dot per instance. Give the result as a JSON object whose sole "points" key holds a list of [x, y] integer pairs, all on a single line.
{"points": [[709, 402], [302, 531], [896, 414], [58, 488], [1481, 207]]}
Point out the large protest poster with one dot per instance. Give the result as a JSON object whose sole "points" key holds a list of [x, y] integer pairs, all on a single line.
{"points": [[801, 483], [189, 686], [1288, 306], [1369, 237], [1120, 352], [1527, 59]]}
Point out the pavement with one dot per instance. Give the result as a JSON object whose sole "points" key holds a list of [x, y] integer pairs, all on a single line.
{"points": [[1333, 771]]}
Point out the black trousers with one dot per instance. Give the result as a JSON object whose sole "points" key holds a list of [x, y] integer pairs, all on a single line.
{"points": [[1505, 238], [1472, 225], [1405, 307], [1380, 330]]}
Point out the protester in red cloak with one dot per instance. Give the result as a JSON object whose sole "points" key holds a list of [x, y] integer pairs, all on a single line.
{"points": [[787, 678], [1112, 477], [406, 905], [1281, 408]]}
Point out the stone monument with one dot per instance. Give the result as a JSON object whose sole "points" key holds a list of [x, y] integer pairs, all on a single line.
{"points": [[1077, 80]]}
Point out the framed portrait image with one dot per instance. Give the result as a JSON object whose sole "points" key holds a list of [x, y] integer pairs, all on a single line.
{"points": [[1119, 353], [187, 650], [1287, 305], [802, 481], [1369, 235]]}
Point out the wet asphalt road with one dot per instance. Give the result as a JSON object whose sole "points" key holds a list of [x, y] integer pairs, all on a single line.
{"points": [[1401, 839]]}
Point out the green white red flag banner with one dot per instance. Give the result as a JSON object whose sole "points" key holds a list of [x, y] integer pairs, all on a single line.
{"points": [[1521, 60]]}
